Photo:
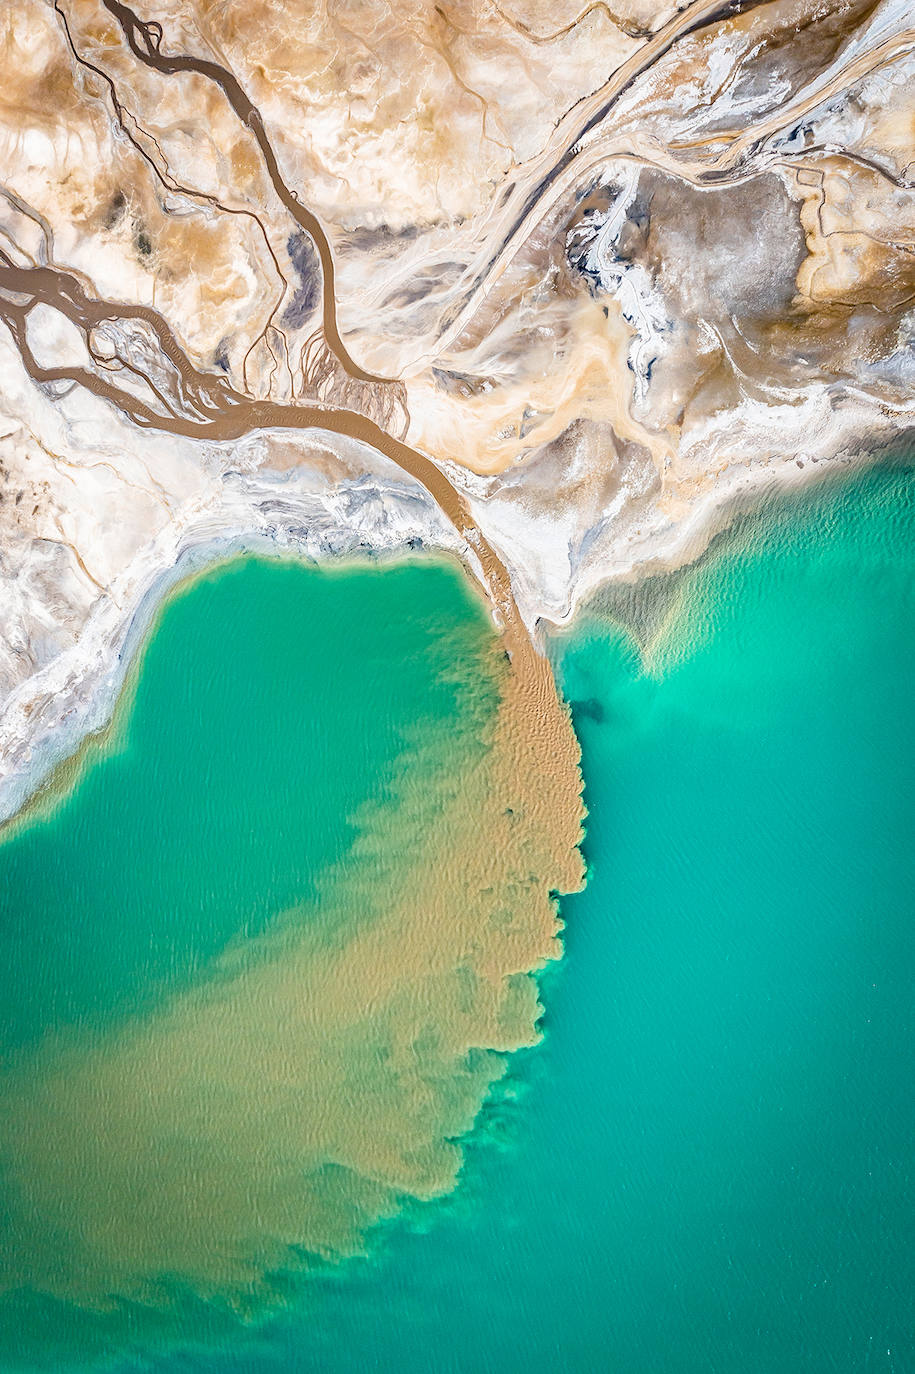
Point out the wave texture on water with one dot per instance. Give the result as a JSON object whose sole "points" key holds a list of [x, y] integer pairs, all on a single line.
{"points": [[262, 1117]]}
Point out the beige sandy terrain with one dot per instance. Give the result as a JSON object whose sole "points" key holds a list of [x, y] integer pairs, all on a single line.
{"points": [[552, 286], [555, 288]]}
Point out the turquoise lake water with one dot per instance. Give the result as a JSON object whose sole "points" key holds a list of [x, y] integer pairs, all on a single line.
{"points": [[709, 1162], [272, 703]]}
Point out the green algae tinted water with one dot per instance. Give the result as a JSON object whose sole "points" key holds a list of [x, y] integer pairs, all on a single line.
{"points": [[271, 703], [707, 1165], [229, 1042]]}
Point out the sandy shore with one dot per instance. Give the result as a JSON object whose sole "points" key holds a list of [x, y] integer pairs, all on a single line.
{"points": [[55, 708], [51, 710], [662, 272]]}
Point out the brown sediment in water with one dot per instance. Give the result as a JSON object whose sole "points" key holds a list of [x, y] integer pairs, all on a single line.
{"points": [[315, 1075], [218, 413], [318, 1074]]}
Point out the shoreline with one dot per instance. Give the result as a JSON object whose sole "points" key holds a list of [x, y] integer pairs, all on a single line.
{"points": [[93, 673], [714, 522], [85, 682], [664, 547]]}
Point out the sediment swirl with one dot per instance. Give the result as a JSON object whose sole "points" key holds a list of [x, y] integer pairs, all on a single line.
{"points": [[263, 1118]]}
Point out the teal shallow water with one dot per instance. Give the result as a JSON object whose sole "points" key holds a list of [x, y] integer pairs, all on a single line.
{"points": [[272, 704], [708, 1164]]}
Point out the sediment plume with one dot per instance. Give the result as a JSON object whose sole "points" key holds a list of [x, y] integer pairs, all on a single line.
{"points": [[556, 289], [265, 1117]]}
